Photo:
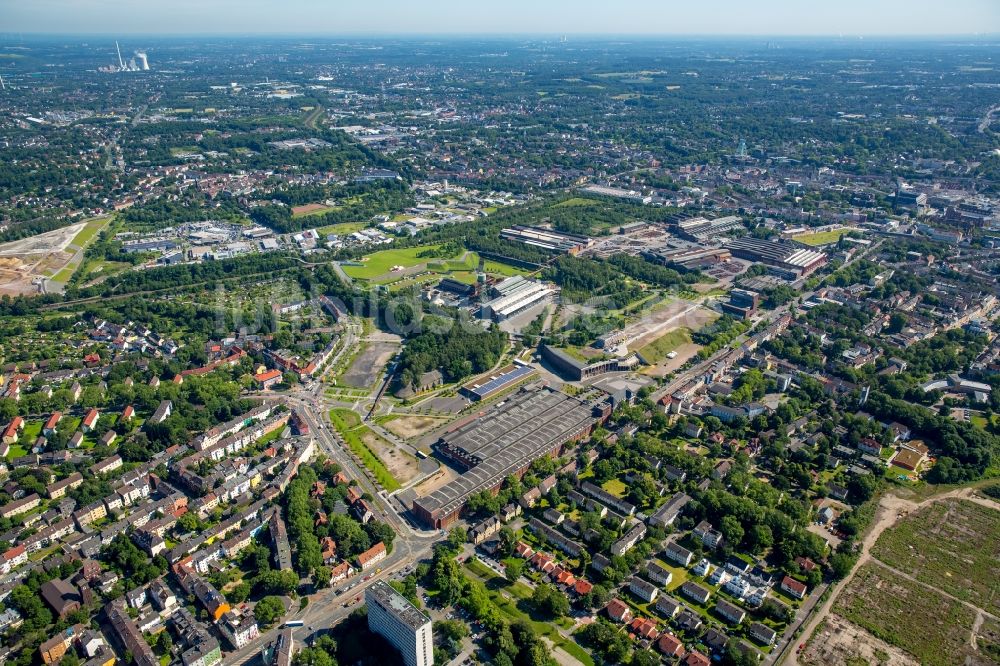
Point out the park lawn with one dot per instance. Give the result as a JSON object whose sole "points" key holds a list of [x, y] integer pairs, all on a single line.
{"points": [[458, 265], [89, 232], [418, 281], [17, 451], [32, 429], [268, 438], [381, 262], [909, 615], [680, 574], [822, 237], [658, 349], [348, 424], [316, 211], [343, 228], [500, 268], [478, 568], [65, 274], [576, 202], [616, 487], [105, 267], [465, 277]]}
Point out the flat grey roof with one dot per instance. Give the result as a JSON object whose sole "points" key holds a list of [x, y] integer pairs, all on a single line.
{"points": [[398, 605], [508, 437]]}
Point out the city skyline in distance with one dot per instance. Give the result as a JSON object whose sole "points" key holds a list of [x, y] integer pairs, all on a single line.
{"points": [[550, 17]]}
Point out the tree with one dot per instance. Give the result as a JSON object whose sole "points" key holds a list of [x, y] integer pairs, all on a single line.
{"points": [[447, 580], [457, 537], [862, 487], [507, 540], [351, 538], [189, 522], [731, 530], [313, 656], [598, 597], [606, 641], [239, 592], [549, 601], [897, 321], [268, 610], [379, 531], [841, 564], [133, 564], [272, 581], [29, 604], [451, 629], [642, 489], [644, 658], [760, 538], [513, 568], [739, 657], [309, 556]]}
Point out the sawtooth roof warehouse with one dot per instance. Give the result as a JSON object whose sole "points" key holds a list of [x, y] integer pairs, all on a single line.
{"points": [[535, 422]]}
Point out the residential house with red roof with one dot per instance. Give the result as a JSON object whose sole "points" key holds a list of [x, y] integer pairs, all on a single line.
{"points": [[670, 645], [619, 611], [372, 556], [793, 587], [90, 420]]}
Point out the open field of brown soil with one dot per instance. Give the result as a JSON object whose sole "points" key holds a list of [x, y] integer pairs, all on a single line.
{"points": [[442, 477], [841, 642], [413, 426], [953, 546], [930, 626], [25, 262], [400, 464], [367, 367]]}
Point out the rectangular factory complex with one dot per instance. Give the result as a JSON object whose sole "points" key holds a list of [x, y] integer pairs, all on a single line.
{"points": [[489, 385], [547, 239], [698, 228], [793, 260], [515, 295], [504, 441]]}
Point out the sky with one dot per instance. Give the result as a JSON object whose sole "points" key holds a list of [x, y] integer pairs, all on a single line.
{"points": [[549, 17]]}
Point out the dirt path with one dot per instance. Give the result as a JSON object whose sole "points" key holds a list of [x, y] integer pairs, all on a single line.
{"points": [[891, 510], [976, 625]]}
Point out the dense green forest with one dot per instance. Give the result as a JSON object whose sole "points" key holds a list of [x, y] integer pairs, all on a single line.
{"points": [[456, 348]]}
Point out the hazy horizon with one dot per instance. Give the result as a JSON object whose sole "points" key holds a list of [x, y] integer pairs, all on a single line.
{"points": [[583, 18]]}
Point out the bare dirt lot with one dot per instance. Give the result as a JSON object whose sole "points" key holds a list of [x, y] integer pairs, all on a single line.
{"points": [[413, 426], [919, 608], [666, 318], [29, 260], [841, 642], [662, 324], [367, 367], [684, 354], [400, 464], [443, 476], [930, 626]]}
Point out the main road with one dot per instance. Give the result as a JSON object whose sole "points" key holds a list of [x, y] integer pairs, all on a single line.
{"points": [[329, 606]]}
